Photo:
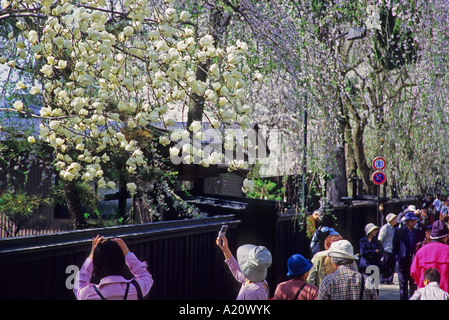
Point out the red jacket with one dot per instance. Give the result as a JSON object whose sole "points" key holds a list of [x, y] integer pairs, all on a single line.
{"points": [[432, 255]]}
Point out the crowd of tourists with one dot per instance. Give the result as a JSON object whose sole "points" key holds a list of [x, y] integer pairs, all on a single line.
{"points": [[412, 243]]}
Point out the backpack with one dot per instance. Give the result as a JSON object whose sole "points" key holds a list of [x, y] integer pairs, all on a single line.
{"points": [[318, 244]]}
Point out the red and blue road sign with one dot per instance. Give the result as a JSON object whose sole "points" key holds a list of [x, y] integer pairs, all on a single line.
{"points": [[379, 163], [379, 178]]}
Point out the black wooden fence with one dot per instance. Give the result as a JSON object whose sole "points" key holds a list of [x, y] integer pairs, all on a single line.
{"points": [[182, 255]]}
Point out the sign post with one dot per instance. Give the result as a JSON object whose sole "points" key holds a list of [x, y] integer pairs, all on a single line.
{"points": [[378, 179]]}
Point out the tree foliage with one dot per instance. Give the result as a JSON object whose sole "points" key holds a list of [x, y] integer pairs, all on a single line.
{"points": [[108, 72]]}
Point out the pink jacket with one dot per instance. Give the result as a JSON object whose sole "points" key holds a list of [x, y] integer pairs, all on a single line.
{"points": [[252, 291], [113, 287], [432, 255]]}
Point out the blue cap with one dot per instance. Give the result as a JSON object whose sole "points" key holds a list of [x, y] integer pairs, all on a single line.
{"points": [[297, 265]]}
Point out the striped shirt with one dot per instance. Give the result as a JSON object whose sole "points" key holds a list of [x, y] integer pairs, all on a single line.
{"points": [[345, 284]]}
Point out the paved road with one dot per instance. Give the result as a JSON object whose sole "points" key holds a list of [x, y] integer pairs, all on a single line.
{"points": [[390, 291]]}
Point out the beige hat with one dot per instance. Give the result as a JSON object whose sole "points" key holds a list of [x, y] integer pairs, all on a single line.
{"points": [[341, 249], [390, 217], [370, 227], [254, 261], [411, 208]]}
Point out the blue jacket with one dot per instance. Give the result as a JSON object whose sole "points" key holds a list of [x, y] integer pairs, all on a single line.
{"points": [[368, 255], [404, 242]]}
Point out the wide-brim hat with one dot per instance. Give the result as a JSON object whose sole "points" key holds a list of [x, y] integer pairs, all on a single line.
{"points": [[297, 265], [341, 249], [390, 217], [439, 230], [370, 227], [254, 261], [410, 216], [410, 208]]}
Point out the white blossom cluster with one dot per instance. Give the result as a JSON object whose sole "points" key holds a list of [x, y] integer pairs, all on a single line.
{"points": [[108, 70]]}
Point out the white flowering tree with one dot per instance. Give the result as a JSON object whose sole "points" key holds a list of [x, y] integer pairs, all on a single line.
{"points": [[110, 71], [373, 73]]}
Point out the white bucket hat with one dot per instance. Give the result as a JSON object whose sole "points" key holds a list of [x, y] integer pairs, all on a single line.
{"points": [[411, 208], [254, 261], [390, 217], [342, 249], [370, 227]]}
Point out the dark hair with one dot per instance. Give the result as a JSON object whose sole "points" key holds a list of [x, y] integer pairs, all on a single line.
{"points": [[108, 260], [328, 221], [432, 275]]}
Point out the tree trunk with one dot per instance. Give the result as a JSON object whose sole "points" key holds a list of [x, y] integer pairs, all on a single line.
{"points": [[337, 186], [74, 205], [351, 164], [218, 23], [359, 155], [122, 191], [196, 106]]}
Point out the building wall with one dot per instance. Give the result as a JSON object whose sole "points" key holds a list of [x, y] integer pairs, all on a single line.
{"points": [[226, 184]]}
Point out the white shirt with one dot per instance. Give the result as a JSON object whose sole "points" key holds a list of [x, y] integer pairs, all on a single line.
{"points": [[386, 234], [430, 292]]}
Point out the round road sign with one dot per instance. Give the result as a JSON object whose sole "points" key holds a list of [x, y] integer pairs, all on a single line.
{"points": [[379, 163], [379, 178]]}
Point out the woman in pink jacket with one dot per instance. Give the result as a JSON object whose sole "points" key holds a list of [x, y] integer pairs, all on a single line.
{"points": [[108, 260], [433, 255], [250, 269]]}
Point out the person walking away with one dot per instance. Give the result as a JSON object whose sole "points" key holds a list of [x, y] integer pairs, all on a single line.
{"points": [[371, 249], [345, 283], [431, 289], [108, 260], [324, 230], [312, 222], [322, 264], [405, 239], [297, 287], [433, 255], [388, 263], [250, 269]]}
